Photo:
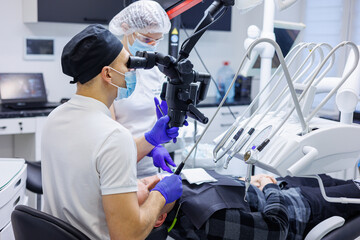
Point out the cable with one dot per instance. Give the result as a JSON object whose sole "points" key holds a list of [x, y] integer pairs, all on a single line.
{"points": [[207, 70]]}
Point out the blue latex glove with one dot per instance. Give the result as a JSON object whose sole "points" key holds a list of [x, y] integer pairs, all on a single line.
{"points": [[161, 158], [170, 187], [161, 133], [164, 108]]}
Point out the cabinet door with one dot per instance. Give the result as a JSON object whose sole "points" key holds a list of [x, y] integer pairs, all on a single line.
{"points": [[79, 11]]}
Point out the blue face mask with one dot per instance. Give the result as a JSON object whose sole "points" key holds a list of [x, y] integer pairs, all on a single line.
{"points": [[140, 46], [130, 79]]}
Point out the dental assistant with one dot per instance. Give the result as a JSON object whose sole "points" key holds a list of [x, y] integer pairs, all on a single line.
{"points": [[142, 25]]}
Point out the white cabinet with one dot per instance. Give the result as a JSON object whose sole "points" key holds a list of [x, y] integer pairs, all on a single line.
{"points": [[17, 126], [12, 192], [7, 232], [222, 121], [23, 136]]}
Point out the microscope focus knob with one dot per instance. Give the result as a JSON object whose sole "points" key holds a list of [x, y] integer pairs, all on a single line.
{"points": [[185, 66]]}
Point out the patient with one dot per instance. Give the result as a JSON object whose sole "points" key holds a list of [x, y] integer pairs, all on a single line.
{"points": [[286, 208]]}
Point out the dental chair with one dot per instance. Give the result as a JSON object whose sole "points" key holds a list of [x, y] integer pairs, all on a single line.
{"points": [[29, 223], [335, 228]]}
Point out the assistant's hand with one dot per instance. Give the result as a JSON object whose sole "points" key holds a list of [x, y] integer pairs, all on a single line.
{"points": [[161, 158], [170, 187], [164, 108], [161, 133]]}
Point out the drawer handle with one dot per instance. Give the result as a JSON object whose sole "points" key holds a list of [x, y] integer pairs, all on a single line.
{"points": [[225, 124], [17, 201], [18, 183], [229, 113], [3, 127]]}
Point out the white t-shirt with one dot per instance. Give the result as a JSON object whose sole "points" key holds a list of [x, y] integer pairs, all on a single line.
{"points": [[85, 154], [138, 114]]}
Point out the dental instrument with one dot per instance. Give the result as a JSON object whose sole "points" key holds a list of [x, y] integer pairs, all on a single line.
{"points": [[234, 126]]}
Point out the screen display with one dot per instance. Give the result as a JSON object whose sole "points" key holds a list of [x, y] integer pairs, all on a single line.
{"points": [[17, 87], [191, 17], [166, 4], [39, 46]]}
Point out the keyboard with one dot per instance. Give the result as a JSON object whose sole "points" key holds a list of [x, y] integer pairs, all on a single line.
{"points": [[32, 106], [6, 113]]}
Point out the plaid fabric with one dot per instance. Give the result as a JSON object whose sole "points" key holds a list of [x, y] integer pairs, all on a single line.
{"points": [[299, 212], [272, 223], [277, 214]]}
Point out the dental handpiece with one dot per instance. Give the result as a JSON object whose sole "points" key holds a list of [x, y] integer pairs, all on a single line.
{"points": [[162, 113], [232, 142], [255, 100], [249, 161], [247, 179], [239, 146]]}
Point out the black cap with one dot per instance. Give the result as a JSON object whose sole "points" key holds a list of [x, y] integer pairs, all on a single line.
{"points": [[88, 52]]}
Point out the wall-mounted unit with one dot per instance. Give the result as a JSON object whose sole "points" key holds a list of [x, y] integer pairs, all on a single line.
{"points": [[69, 11]]}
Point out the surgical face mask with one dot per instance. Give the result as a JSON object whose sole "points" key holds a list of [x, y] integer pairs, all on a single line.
{"points": [[130, 79], [140, 46]]}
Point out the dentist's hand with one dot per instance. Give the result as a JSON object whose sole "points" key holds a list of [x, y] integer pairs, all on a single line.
{"points": [[161, 133], [170, 187], [161, 158]]}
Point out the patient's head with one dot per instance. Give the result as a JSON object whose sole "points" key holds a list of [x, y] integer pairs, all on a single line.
{"points": [[144, 187]]}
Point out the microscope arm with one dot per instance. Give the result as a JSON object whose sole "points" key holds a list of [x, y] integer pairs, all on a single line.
{"points": [[215, 8]]}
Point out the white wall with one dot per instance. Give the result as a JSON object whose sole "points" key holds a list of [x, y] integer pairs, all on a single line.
{"points": [[214, 47], [13, 31]]}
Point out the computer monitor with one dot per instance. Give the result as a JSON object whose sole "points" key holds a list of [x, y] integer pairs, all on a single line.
{"points": [[22, 87], [286, 35]]}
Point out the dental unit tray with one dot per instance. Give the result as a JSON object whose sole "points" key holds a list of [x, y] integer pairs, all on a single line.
{"points": [[296, 143], [330, 146]]}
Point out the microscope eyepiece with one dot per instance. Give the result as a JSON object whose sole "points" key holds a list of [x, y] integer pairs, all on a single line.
{"points": [[136, 62]]}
